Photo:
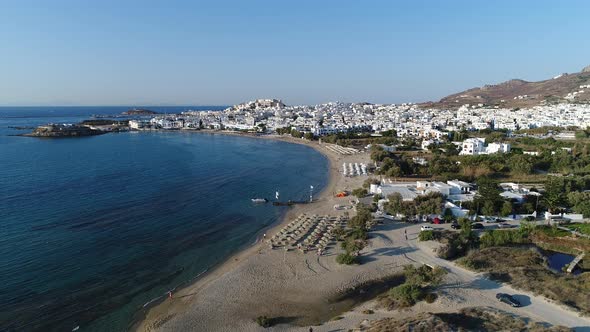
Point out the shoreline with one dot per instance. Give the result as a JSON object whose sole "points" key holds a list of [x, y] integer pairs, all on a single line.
{"points": [[149, 316]]}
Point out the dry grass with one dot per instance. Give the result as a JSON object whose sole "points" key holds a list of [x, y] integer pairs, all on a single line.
{"points": [[525, 269], [469, 319], [559, 240]]}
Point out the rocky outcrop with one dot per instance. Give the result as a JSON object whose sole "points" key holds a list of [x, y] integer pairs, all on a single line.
{"points": [[58, 130], [586, 69]]}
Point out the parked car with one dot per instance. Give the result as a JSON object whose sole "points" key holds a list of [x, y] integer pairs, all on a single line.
{"points": [[477, 226], [426, 228], [455, 225], [490, 219], [508, 299], [504, 225]]}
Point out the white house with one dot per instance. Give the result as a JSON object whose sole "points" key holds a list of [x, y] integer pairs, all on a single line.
{"points": [[461, 186], [472, 146], [497, 148], [476, 146]]}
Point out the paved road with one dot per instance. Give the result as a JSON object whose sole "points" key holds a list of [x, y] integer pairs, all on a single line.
{"points": [[482, 291]]}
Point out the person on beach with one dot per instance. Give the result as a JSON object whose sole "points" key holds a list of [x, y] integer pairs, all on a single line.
{"points": [[406, 233]]}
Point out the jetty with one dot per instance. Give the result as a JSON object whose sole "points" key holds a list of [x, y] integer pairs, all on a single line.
{"points": [[575, 262]]}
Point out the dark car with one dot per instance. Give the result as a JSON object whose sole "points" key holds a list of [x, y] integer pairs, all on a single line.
{"points": [[508, 299], [477, 226], [455, 226]]}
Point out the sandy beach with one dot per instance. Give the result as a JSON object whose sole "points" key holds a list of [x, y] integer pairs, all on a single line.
{"points": [[260, 281]]}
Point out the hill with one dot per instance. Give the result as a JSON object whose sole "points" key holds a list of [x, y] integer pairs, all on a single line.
{"points": [[519, 93]]}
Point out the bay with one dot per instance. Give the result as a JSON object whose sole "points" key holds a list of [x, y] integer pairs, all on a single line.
{"points": [[93, 228]]}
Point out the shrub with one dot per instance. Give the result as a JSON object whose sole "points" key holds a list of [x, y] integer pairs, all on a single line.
{"points": [[430, 297], [339, 233], [424, 275], [352, 245], [346, 259], [446, 251], [497, 238], [263, 321], [360, 192], [406, 295], [358, 234], [368, 312], [426, 236]]}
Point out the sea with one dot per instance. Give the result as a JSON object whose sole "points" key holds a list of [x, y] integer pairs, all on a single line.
{"points": [[94, 230]]}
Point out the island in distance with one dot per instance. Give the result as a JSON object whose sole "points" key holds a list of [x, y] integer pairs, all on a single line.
{"points": [[139, 111]]}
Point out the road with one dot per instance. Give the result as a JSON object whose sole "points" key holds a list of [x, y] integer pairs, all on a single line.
{"points": [[474, 288]]}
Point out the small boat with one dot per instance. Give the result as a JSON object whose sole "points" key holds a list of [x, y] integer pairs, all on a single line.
{"points": [[259, 200]]}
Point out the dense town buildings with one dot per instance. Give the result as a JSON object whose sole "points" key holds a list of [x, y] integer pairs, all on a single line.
{"points": [[407, 120]]}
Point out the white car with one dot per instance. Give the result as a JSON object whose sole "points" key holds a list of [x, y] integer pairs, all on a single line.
{"points": [[426, 228], [490, 219]]}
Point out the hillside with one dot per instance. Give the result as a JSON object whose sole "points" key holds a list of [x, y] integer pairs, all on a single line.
{"points": [[520, 93]]}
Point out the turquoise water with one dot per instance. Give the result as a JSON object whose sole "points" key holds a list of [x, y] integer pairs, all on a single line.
{"points": [[93, 228]]}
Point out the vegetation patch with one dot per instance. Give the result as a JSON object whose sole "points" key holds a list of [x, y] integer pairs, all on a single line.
{"points": [[264, 321], [468, 319], [354, 239], [582, 228], [428, 235], [457, 244], [420, 281], [552, 238], [346, 259], [496, 238], [526, 269]]}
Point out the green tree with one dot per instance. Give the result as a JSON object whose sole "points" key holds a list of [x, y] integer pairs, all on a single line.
{"points": [[580, 202], [488, 208], [296, 133], [521, 164], [506, 209], [395, 204], [465, 226], [448, 215], [378, 153], [554, 193], [488, 195], [308, 136], [394, 171], [284, 130], [441, 165]]}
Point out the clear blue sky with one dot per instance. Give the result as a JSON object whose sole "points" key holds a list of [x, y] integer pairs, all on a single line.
{"points": [[223, 52]]}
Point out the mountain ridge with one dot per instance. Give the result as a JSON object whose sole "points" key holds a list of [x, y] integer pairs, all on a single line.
{"points": [[521, 93]]}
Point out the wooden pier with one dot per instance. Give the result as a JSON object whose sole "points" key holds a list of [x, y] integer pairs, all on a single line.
{"points": [[575, 262]]}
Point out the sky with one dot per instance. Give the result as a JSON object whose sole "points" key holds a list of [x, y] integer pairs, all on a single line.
{"points": [[225, 52]]}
